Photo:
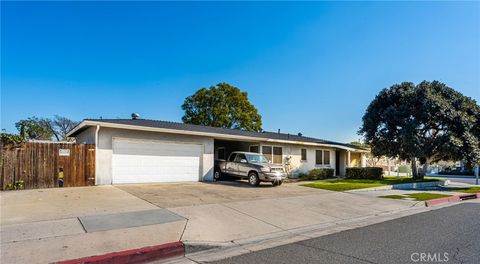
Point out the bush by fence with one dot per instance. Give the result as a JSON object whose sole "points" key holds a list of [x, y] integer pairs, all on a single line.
{"points": [[370, 173], [317, 174]]}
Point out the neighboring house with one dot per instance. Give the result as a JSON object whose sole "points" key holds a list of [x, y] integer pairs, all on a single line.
{"points": [[141, 151]]}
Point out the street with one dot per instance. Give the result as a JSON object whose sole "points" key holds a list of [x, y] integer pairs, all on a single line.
{"points": [[447, 235]]}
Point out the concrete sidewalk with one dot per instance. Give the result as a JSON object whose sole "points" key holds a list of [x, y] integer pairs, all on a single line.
{"points": [[47, 225], [41, 226]]}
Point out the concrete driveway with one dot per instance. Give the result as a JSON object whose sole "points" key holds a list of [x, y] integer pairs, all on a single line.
{"points": [[70, 223], [167, 195], [232, 210]]}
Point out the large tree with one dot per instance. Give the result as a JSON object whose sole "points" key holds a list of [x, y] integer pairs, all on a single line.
{"points": [[45, 128], [34, 128], [222, 105], [426, 122]]}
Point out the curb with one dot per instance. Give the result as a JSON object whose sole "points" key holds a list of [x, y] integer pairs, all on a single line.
{"points": [[140, 255], [455, 198]]}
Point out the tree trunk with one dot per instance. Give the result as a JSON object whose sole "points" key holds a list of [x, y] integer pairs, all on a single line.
{"points": [[414, 168], [421, 176]]}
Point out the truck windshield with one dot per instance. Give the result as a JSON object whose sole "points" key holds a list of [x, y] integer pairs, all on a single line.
{"points": [[256, 158]]}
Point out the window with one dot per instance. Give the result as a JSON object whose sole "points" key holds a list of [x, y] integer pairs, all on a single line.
{"points": [[267, 152], [304, 155], [277, 155], [273, 154], [221, 153], [322, 157], [232, 157], [254, 149], [318, 157], [326, 157], [240, 157]]}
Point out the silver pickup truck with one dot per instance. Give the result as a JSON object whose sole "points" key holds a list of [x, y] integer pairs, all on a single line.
{"points": [[253, 166]]}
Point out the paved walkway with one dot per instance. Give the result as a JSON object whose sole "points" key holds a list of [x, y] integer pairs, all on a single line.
{"points": [[47, 225], [41, 226]]}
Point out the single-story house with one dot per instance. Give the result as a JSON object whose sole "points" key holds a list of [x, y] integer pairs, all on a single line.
{"points": [[142, 151]]}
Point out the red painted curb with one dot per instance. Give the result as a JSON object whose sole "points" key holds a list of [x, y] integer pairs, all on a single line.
{"points": [[450, 199], [139, 255]]}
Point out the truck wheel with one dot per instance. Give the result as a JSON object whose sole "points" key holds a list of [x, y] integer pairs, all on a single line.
{"points": [[217, 175], [253, 179], [276, 183]]}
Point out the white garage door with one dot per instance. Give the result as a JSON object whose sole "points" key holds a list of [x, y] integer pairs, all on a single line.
{"points": [[137, 161]]}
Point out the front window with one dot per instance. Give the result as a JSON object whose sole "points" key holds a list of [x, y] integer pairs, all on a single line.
{"points": [[251, 158], [277, 155], [254, 149], [326, 157], [273, 154], [318, 157], [267, 151], [304, 155], [322, 157]]}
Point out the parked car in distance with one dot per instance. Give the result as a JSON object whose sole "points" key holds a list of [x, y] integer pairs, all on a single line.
{"points": [[253, 166]]}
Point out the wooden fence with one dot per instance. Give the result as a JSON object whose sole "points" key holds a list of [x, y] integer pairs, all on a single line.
{"points": [[36, 165]]}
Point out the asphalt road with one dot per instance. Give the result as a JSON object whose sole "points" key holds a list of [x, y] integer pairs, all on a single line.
{"points": [[447, 235]]}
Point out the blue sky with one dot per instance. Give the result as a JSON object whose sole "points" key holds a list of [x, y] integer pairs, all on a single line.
{"points": [[308, 67]]}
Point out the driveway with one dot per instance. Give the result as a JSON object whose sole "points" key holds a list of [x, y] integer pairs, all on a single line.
{"points": [[168, 195], [226, 211], [67, 223]]}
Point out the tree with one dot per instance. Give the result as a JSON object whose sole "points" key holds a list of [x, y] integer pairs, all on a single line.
{"points": [[33, 128], [222, 105], [60, 126], [427, 122], [45, 128]]}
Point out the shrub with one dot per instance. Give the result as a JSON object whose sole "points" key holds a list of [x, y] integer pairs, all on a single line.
{"points": [[318, 174], [456, 172], [369, 173]]}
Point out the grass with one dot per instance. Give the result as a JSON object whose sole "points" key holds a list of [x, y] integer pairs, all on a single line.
{"points": [[351, 184], [417, 196], [467, 190], [394, 196]]}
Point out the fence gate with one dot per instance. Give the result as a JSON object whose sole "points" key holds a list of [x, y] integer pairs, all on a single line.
{"points": [[37, 165]]}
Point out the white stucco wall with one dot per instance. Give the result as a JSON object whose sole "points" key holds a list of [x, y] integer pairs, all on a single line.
{"points": [[104, 149], [298, 165], [86, 137]]}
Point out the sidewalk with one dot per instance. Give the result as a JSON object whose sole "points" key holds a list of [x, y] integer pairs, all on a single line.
{"points": [[48, 225]]}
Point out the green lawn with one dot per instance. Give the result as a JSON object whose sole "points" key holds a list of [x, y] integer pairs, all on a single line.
{"points": [[416, 196], [351, 184], [467, 190]]}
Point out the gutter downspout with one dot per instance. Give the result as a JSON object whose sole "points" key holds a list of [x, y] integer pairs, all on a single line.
{"points": [[96, 154]]}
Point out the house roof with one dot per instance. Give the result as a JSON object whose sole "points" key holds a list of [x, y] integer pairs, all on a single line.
{"points": [[173, 127]]}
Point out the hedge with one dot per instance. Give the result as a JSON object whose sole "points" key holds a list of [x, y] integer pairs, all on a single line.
{"points": [[317, 174], [455, 172], [369, 173]]}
